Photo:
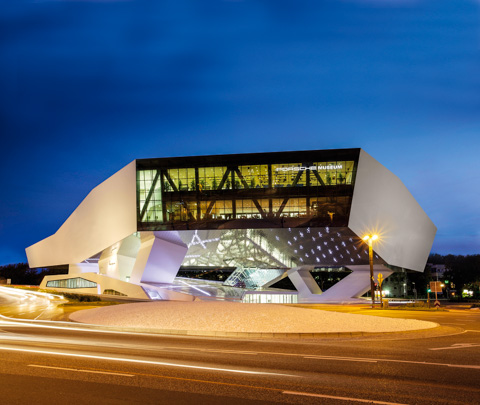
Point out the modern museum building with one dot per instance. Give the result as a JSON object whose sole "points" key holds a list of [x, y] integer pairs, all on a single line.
{"points": [[265, 216]]}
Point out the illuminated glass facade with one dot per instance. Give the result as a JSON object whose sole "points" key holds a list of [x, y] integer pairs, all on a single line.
{"points": [[252, 278], [272, 298], [76, 282], [272, 190], [248, 249], [266, 217]]}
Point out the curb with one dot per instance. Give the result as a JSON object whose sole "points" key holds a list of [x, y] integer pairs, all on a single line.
{"points": [[257, 335]]}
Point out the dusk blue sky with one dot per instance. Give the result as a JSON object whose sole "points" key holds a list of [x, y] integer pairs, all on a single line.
{"points": [[88, 86]]}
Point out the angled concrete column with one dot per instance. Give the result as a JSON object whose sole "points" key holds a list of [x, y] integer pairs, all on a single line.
{"points": [[117, 261], [275, 280], [159, 258], [303, 281], [354, 285]]}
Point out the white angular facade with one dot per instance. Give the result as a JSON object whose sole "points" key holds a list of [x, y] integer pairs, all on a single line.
{"points": [[290, 211]]}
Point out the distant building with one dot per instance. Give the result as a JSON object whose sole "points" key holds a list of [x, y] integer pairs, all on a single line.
{"points": [[269, 215]]}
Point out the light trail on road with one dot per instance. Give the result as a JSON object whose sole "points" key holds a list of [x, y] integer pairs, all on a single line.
{"points": [[28, 294], [149, 362], [88, 329], [29, 303], [223, 370]]}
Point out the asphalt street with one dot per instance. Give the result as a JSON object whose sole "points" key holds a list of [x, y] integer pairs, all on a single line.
{"points": [[53, 362]]}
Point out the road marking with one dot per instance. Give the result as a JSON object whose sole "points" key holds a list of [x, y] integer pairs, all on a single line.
{"points": [[454, 365], [228, 384], [453, 323], [423, 363], [369, 401], [228, 351], [79, 370], [17, 322], [156, 363], [223, 383], [41, 313], [341, 358], [352, 359], [456, 346], [33, 323]]}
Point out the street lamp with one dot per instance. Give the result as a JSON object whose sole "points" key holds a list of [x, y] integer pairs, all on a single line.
{"points": [[369, 239]]}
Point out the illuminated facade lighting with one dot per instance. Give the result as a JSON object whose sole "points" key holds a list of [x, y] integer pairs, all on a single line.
{"points": [[284, 211]]}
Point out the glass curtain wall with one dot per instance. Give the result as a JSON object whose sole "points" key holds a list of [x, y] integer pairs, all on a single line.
{"points": [[209, 178], [255, 176], [149, 196], [76, 282], [182, 179], [332, 173], [321, 190], [317, 174]]}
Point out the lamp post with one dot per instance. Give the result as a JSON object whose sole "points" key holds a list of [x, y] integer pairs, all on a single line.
{"points": [[369, 239]]}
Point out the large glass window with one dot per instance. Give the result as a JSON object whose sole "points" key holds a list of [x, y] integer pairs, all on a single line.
{"points": [[330, 208], [295, 207], [252, 298], [252, 277], [210, 178], [248, 208], [284, 175], [348, 174], [320, 206], [113, 292], [222, 209], [184, 179], [149, 196], [193, 194], [76, 282], [256, 176], [203, 209], [144, 183], [219, 210], [331, 173], [181, 211]]}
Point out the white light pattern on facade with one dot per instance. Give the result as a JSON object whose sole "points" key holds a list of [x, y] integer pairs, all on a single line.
{"points": [[197, 241], [267, 248]]}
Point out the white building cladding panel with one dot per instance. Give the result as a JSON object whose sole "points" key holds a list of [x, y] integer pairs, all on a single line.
{"points": [[105, 216], [259, 231], [382, 204]]}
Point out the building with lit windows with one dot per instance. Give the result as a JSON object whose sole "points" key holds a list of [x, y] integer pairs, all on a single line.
{"points": [[271, 216]]}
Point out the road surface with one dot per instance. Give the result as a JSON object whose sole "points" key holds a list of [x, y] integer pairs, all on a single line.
{"points": [[52, 363]]}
